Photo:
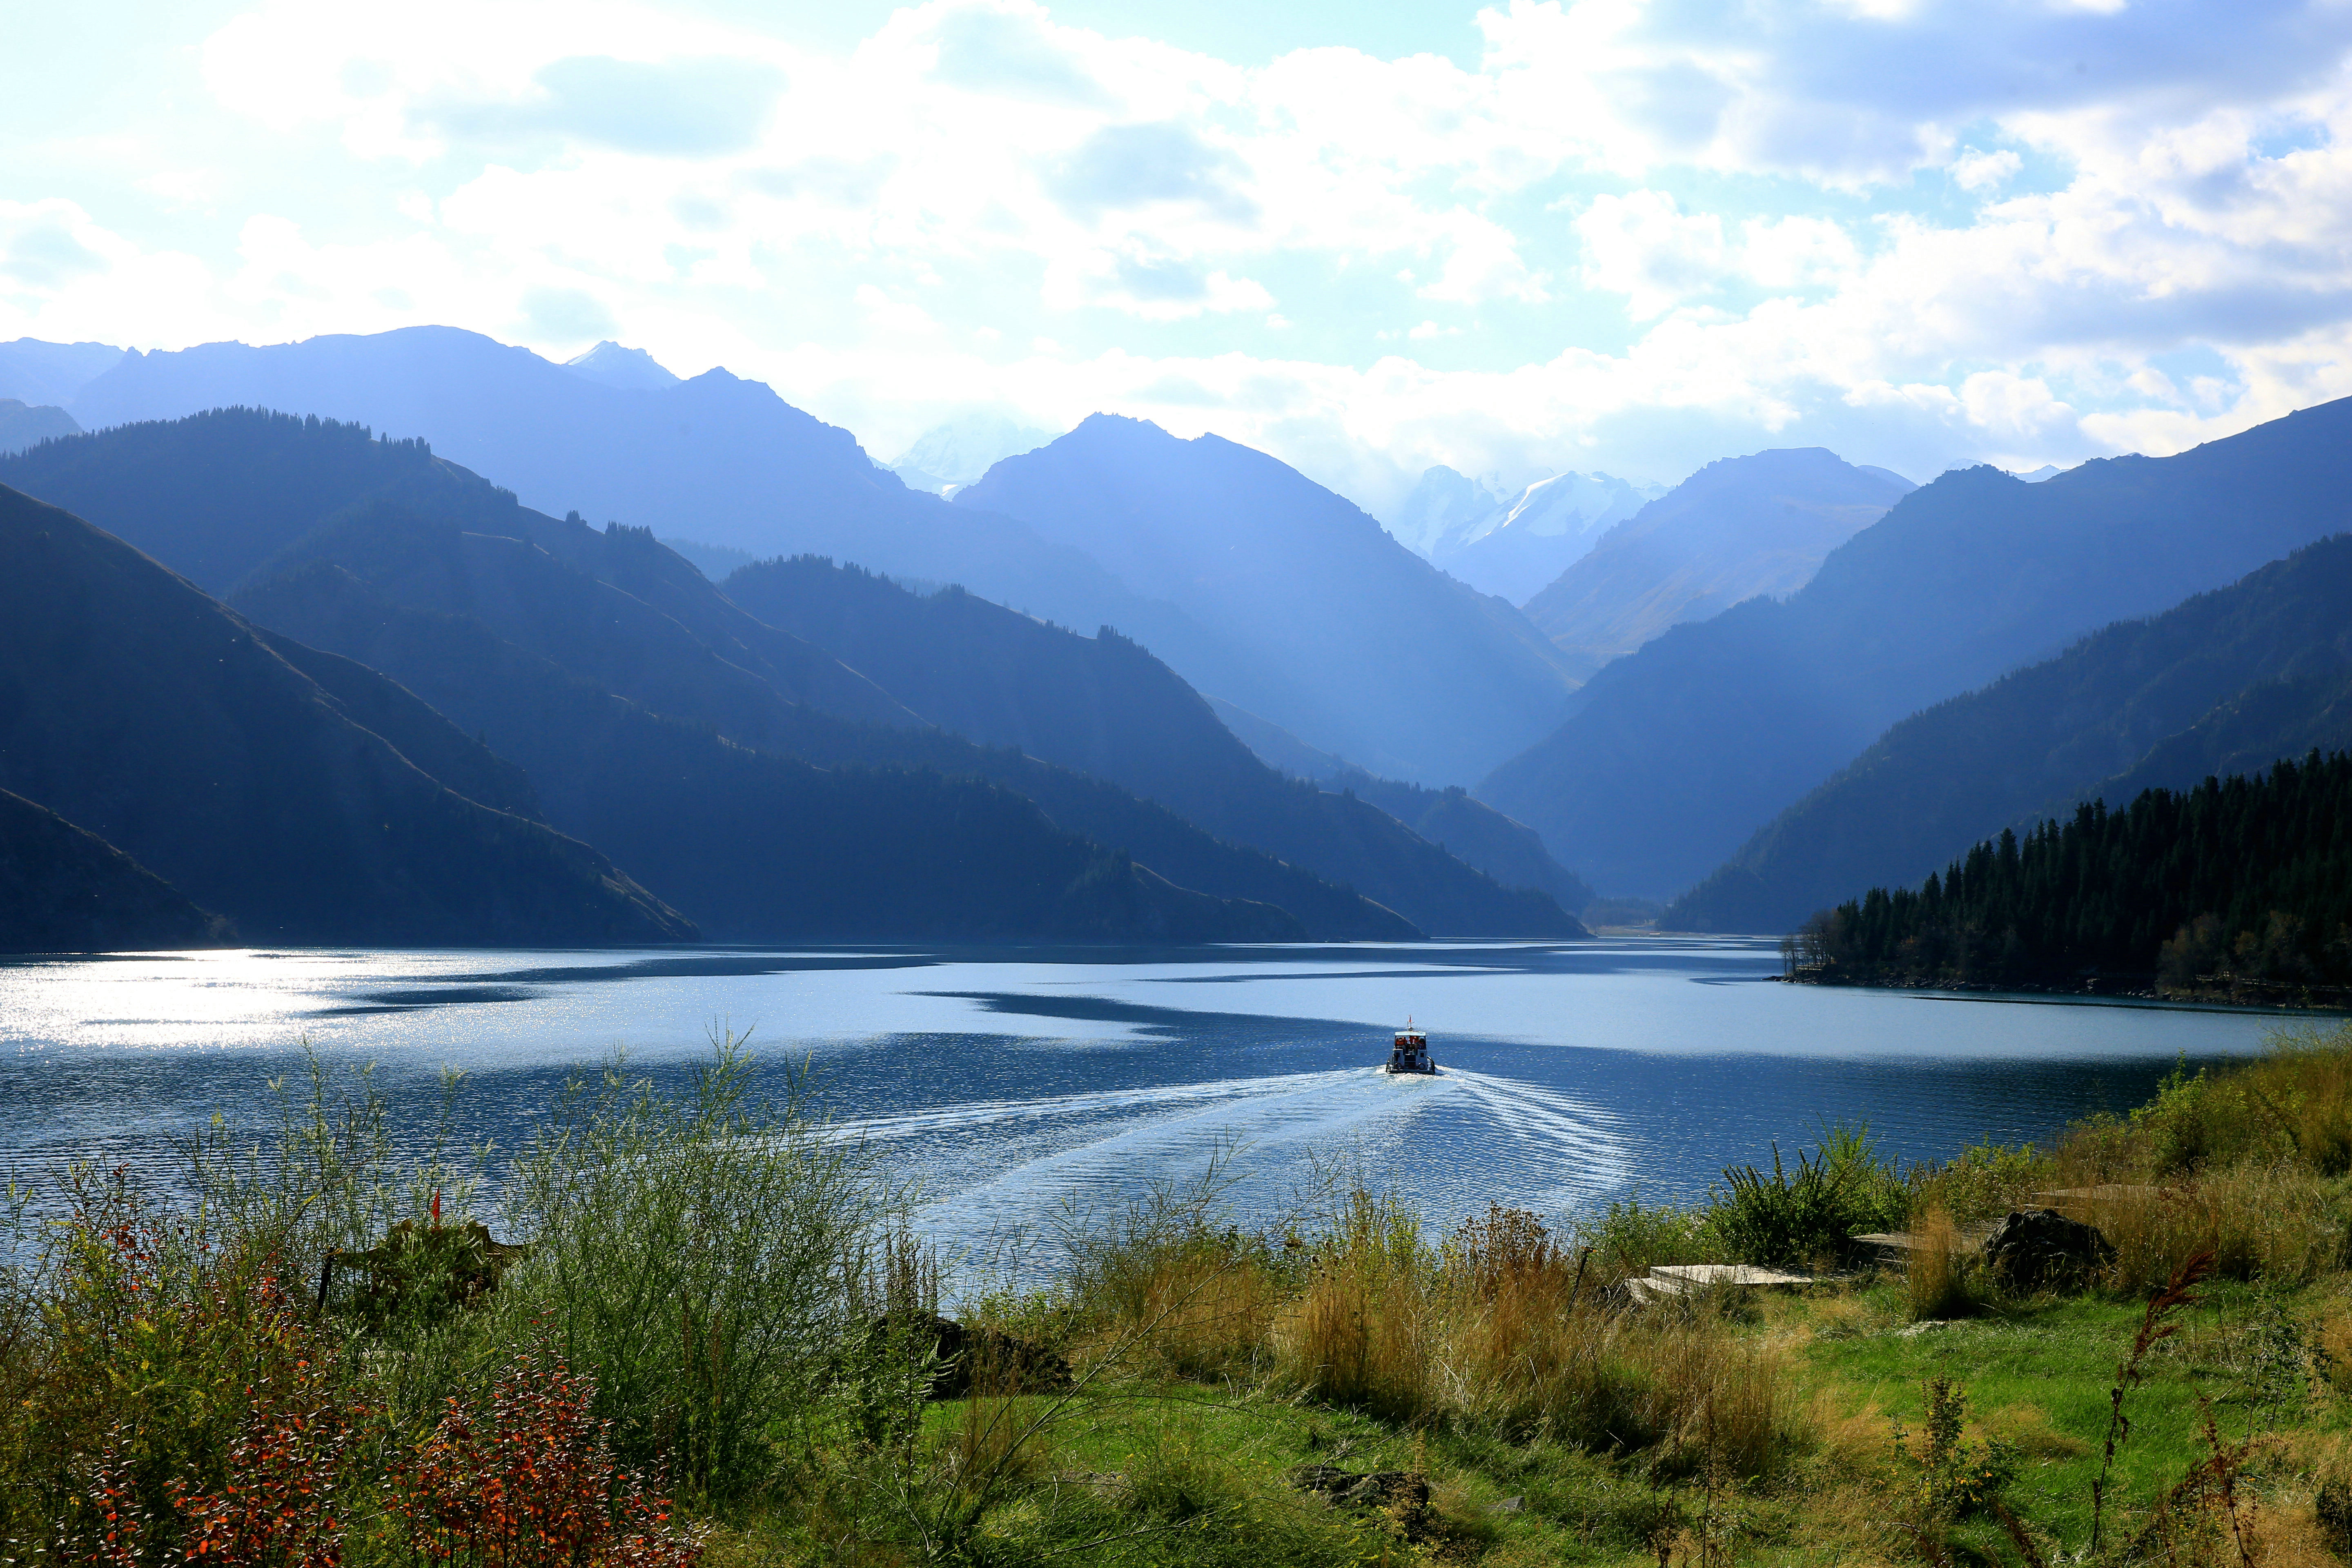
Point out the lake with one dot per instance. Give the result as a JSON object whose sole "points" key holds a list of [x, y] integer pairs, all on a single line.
{"points": [[1008, 1080]]}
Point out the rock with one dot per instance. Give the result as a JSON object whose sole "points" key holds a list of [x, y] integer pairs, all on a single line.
{"points": [[2038, 1249], [428, 1270], [968, 1359]]}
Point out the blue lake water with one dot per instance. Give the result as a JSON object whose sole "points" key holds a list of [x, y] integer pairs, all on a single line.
{"points": [[1007, 1080]]}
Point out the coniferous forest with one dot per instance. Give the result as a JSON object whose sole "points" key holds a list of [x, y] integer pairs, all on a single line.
{"points": [[2241, 887]]}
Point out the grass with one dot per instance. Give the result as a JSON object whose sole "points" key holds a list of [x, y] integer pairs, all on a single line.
{"points": [[718, 1343]]}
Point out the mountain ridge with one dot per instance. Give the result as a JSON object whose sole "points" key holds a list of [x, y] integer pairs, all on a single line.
{"points": [[1674, 755]]}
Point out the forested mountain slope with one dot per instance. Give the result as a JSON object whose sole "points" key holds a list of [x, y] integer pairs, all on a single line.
{"points": [[626, 618], [762, 847], [143, 711], [2037, 741], [1676, 754], [619, 610], [224, 494], [64, 889], [2241, 887]]}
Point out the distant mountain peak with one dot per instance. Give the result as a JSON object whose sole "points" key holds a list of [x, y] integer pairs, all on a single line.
{"points": [[947, 456], [1512, 542], [631, 370]]}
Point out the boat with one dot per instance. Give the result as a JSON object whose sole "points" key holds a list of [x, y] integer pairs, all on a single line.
{"points": [[1410, 1053]]}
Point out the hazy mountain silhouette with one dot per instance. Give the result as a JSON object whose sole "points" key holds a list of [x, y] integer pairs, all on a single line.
{"points": [[714, 459], [22, 426], [1339, 633], [1738, 528], [610, 364], [760, 847], [1105, 706], [1675, 754], [613, 609], [2256, 671], [142, 711], [1520, 542], [65, 889], [218, 495], [1456, 821], [38, 373], [948, 456]]}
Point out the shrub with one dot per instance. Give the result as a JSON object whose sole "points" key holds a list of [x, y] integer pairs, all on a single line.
{"points": [[694, 1256], [165, 1394], [530, 1480], [1953, 1474], [1982, 1182], [1626, 1239], [1798, 1220]]}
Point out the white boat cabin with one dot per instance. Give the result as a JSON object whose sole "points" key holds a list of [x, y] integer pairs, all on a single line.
{"points": [[1410, 1052]]}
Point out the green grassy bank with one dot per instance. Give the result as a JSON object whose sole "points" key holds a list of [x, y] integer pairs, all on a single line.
{"points": [[705, 1335]]}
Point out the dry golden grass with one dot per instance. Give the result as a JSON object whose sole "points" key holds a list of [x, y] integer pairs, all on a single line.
{"points": [[2276, 1220], [1933, 1283], [1198, 1313]]}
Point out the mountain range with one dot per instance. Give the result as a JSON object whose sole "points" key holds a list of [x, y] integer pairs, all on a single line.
{"points": [[1105, 706], [1674, 755], [23, 425], [948, 457], [1339, 633], [645, 701], [725, 463], [227, 762], [2226, 682], [1738, 529]]}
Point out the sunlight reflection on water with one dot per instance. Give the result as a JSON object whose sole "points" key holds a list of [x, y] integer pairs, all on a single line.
{"points": [[1006, 1081]]}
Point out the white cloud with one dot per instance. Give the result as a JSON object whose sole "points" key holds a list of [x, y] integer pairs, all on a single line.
{"points": [[1654, 233], [1976, 171], [1644, 247]]}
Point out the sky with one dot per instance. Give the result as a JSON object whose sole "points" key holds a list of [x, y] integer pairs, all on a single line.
{"points": [[1592, 234]]}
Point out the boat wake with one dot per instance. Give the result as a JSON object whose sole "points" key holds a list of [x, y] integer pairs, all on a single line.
{"points": [[1446, 1143]]}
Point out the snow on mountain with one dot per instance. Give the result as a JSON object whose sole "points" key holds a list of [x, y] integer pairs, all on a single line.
{"points": [[1514, 546], [631, 370], [948, 457]]}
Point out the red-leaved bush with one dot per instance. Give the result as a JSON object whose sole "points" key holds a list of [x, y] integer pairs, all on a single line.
{"points": [[226, 1436], [530, 1482]]}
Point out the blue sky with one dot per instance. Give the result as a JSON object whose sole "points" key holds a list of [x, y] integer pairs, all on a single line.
{"points": [[1590, 234]]}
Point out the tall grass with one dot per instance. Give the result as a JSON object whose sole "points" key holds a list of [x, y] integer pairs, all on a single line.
{"points": [[1932, 1286]]}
